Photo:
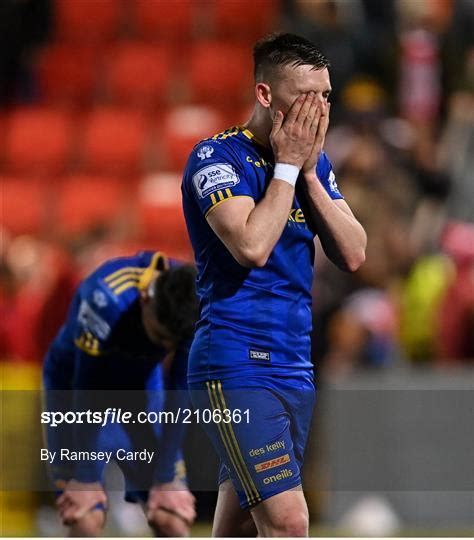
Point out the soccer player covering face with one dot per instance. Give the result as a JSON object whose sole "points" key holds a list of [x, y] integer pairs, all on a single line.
{"points": [[124, 345], [254, 197]]}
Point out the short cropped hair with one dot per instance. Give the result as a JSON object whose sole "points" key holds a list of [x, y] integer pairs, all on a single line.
{"points": [[175, 301], [275, 51]]}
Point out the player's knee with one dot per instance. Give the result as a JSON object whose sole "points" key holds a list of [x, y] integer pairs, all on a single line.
{"points": [[297, 526], [294, 524], [89, 526]]}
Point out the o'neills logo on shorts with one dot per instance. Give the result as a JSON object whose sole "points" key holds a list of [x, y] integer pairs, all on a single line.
{"points": [[276, 462]]}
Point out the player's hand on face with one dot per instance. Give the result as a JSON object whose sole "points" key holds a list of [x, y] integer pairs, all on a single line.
{"points": [[79, 498], [320, 123], [293, 136], [171, 508]]}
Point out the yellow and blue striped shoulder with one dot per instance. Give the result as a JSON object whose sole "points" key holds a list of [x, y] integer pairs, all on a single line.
{"points": [[135, 277]]}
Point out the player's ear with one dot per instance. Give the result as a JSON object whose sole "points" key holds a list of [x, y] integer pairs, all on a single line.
{"points": [[263, 94], [147, 293]]}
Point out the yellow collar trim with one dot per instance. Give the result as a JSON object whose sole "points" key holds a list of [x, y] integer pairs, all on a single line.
{"points": [[245, 131], [158, 263]]}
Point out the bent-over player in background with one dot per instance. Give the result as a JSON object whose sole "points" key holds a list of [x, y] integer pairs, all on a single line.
{"points": [[128, 331], [254, 198]]}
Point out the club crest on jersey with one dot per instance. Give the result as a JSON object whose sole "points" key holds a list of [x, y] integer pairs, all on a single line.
{"points": [[205, 152], [214, 177], [332, 183], [100, 300]]}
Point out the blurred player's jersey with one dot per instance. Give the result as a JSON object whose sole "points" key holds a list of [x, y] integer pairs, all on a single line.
{"points": [[103, 346], [104, 317], [254, 319]]}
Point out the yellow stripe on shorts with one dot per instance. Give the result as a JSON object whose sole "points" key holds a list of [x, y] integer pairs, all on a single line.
{"points": [[232, 447], [231, 430], [228, 444]]}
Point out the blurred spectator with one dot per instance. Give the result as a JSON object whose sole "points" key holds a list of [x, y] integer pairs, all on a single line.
{"points": [[455, 324], [420, 303], [37, 285], [420, 69], [362, 333], [457, 150]]}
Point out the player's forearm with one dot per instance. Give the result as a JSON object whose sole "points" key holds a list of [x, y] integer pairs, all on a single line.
{"points": [[176, 399], [265, 225], [87, 396], [342, 236], [172, 436]]}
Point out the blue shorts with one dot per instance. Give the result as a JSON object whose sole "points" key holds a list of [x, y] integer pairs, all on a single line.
{"points": [[262, 438]]}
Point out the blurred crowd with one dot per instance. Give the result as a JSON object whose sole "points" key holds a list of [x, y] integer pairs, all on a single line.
{"points": [[401, 141]]}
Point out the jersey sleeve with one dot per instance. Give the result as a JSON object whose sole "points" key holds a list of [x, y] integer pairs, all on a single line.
{"points": [[170, 463], [327, 177], [90, 376], [96, 317], [214, 174]]}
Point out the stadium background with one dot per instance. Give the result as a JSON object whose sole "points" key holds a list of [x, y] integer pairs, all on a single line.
{"points": [[101, 101]]}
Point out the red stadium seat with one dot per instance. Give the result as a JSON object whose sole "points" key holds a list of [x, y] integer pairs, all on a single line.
{"points": [[87, 201], [38, 140], [221, 72], [24, 203], [68, 73], [164, 18], [114, 141], [88, 20], [185, 126], [161, 215], [139, 73], [245, 19]]}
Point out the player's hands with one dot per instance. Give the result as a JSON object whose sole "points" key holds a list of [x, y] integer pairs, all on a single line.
{"points": [[79, 498], [322, 117], [171, 508], [293, 137]]}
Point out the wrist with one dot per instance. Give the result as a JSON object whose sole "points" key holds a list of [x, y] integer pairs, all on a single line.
{"points": [[287, 173]]}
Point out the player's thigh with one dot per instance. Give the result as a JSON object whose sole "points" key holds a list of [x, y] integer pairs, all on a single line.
{"points": [[252, 438], [229, 518], [284, 514], [300, 398]]}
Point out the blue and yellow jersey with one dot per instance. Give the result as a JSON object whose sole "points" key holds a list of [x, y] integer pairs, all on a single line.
{"points": [[104, 315], [103, 346], [254, 319]]}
